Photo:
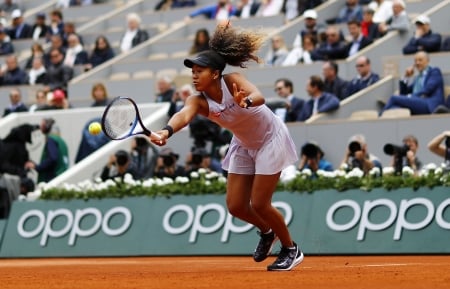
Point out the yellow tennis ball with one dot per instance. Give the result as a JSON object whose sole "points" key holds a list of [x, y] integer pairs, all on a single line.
{"points": [[95, 128]]}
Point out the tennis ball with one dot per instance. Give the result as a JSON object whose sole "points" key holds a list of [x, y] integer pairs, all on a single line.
{"points": [[95, 128]]}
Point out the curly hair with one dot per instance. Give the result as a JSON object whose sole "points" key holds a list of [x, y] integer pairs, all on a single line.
{"points": [[236, 46]]}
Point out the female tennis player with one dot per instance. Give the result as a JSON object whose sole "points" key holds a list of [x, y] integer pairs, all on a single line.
{"points": [[261, 146]]}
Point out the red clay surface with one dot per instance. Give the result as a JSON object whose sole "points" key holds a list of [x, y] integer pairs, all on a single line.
{"points": [[349, 272]]}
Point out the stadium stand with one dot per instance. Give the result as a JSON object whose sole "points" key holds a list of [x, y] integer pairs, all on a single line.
{"points": [[134, 74]]}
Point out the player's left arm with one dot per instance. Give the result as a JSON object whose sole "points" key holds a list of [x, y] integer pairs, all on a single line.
{"points": [[244, 92]]}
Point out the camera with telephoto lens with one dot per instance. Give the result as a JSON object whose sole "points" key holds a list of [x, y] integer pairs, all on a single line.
{"points": [[392, 149], [447, 154], [354, 147], [310, 150], [197, 155], [399, 152]]}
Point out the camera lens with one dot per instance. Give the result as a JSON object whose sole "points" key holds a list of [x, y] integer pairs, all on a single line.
{"points": [[168, 161], [354, 146]]}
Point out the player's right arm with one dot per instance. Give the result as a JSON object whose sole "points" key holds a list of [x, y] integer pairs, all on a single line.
{"points": [[195, 104]]}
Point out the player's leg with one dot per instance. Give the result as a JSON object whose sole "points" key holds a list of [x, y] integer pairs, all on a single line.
{"points": [[239, 189], [261, 200]]}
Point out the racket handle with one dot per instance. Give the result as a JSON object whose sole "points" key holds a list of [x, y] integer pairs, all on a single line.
{"points": [[155, 135]]}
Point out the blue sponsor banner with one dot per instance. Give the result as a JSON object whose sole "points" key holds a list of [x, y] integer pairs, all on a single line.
{"points": [[325, 222]]}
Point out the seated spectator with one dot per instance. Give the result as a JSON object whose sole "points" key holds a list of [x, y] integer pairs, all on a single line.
{"points": [[119, 164], [101, 53], [292, 104], [8, 6], [165, 5], [37, 74], [13, 74], [440, 145], [6, 46], [368, 27], [383, 10], [312, 157], [366, 77], [334, 48], [222, 10], [56, 99], [332, 82], [351, 11], [269, 8], [16, 104], [165, 88], [446, 44], [166, 165], [319, 101], [56, 42], [420, 94], [404, 154], [247, 8], [179, 98], [277, 52], [99, 94], [424, 39], [69, 29], [39, 29], [75, 53], [358, 40], [399, 20], [143, 156], [357, 155], [55, 155], [19, 28], [134, 35], [40, 101], [301, 54], [90, 142], [294, 8], [37, 51], [312, 28], [201, 41], [56, 24], [58, 74]]}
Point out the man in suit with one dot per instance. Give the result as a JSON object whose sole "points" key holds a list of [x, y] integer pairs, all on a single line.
{"points": [[365, 77], [358, 41], [16, 104], [285, 89], [320, 101], [334, 48], [420, 94], [333, 83], [19, 29]]}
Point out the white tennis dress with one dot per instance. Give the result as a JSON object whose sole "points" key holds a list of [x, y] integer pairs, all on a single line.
{"points": [[261, 142]]}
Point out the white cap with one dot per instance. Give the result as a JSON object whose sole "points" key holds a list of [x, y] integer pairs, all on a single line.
{"points": [[310, 14], [422, 19], [16, 13]]}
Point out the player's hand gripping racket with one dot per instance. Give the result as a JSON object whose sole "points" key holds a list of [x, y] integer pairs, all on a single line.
{"points": [[121, 119]]}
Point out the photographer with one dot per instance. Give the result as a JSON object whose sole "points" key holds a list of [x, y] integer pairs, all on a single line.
{"points": [[405, 155], [358, 156], [196, 159], [166, 165], [312, 158], [143, 156], [119, 165], [440, 145]]}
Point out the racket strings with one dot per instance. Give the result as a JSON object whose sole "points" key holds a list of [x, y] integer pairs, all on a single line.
{"points": [[120, 118]]}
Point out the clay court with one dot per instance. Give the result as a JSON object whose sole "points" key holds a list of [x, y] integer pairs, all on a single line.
{"points": [[226, 272]]}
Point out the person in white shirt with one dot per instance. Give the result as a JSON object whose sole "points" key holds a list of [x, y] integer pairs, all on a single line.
{"points": [[75, 53], [133, 35], [270, 8], [383, 10], [37, 73]]}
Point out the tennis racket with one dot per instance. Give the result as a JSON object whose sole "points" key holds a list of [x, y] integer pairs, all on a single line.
{"points": [[121, 119]]}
